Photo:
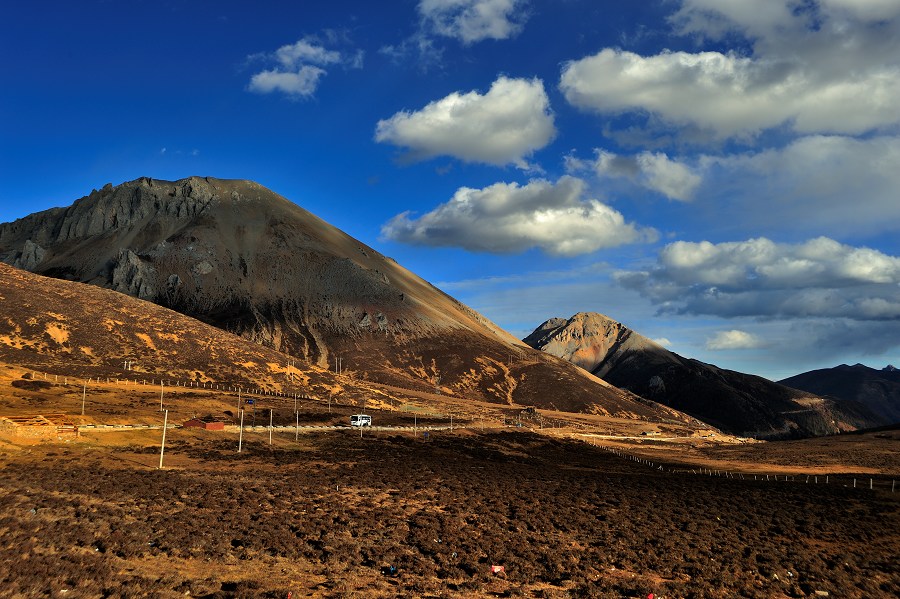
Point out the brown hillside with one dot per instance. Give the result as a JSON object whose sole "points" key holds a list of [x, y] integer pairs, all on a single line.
{"points": [[82, 330]]}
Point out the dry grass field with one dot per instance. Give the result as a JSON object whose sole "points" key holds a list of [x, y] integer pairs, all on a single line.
{"points": [[323, 515]]}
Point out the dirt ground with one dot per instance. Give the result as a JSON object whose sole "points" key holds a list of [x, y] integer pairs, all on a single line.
{"points": [[328, 517]]}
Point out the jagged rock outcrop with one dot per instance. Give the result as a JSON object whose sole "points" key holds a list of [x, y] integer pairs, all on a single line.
{"points": [[735, 402], [236, 255], [133, 276], [32, 254]]}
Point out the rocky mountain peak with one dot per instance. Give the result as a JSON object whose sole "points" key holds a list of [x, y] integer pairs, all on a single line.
{"points": [[586, 339]]}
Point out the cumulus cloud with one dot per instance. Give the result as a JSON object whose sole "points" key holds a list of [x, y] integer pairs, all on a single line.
{"points": [[507, 218], [761, 278], [298, 67], [652, 170], [472, 21], [827, 66], [733, 339], [299, 83], [503, 126]]}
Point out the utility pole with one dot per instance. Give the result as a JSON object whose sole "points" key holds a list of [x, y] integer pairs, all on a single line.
{"points": [[162, 447], [241, 434], [161, 389], [83, 397], [270, 426]]}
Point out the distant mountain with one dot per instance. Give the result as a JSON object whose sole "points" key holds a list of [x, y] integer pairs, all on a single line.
{"points": [[877, 390], [236, 255], [735, 402]]}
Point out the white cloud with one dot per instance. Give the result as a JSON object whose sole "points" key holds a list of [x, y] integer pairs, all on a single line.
{"points": [[507, 218], [672, 179], [823, 67], [503, 126], [733, 339], [758, 277], [298, 67], [305, 51], [300, 83], [652, 170], [663, 341], [472, 21]]}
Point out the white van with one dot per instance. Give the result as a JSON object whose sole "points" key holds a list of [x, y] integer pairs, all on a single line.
{"points": [[360, 420]]}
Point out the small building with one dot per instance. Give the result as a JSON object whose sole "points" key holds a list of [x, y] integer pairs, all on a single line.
{"points": [[38, 427], [208, 424]]}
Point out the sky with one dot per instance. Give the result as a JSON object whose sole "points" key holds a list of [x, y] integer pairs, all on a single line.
{"points": [[721, 176]]}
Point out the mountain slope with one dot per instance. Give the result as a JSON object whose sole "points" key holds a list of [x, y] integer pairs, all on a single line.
{"points": [[735, 402], [877, 390], [242, 258], [82, 330]]}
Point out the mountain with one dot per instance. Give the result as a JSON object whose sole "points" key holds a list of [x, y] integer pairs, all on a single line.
{"points": [[735, 402], [238, 256], [877, 390], [82, 330]]}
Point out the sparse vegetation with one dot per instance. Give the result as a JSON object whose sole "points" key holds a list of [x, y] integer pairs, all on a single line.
{"points": [[323, 517]]}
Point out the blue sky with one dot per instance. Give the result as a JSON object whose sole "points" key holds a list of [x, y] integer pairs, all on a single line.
{"points": [[719, 175]]}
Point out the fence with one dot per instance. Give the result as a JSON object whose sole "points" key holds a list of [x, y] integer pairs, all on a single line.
{"points": [[871, 483]]}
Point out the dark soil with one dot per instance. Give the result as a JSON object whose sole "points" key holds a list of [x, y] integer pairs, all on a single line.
{"points": [[328, 516]]}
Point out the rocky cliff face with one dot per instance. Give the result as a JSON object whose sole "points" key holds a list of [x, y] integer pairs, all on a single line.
{"points": [[735, 402], [236, 255]]}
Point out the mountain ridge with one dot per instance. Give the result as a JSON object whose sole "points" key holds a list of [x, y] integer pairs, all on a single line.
{"points": [[878, 390], [739, 403]]}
